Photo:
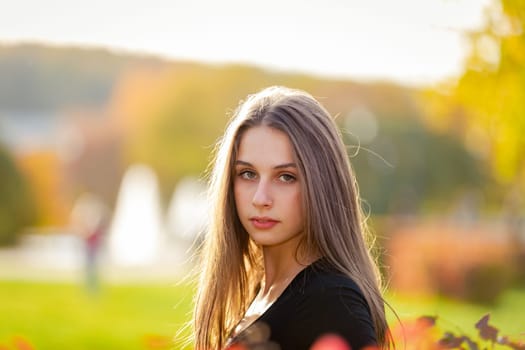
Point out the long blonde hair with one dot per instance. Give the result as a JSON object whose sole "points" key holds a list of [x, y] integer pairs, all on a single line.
{"points": [[334, 225]]}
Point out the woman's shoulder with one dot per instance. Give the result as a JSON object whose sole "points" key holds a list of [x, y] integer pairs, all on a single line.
{"points": [[325, 301], [322, 277]]}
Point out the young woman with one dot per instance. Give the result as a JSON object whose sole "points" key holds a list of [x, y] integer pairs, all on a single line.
{"points": [[285, 259]]}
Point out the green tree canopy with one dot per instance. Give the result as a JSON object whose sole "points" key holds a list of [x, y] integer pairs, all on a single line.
{"points": [[491, 92], [17, 209]]}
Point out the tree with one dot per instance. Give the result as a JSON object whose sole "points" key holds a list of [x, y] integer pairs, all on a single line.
{"points": [[491, 92], [484, 106], [17, 209], [408, 169]]}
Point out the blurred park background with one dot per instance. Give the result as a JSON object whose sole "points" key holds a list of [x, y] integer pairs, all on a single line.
{"points": [[103, 153]]}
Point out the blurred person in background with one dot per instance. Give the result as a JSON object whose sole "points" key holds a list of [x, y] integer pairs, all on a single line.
{"points": [[90, 219], [286, 259]]}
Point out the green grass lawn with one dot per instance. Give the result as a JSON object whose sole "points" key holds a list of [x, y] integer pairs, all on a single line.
{"points": [[61, 316]]}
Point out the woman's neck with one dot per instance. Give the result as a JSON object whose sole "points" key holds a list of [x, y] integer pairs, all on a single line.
{"points": [[280, 267]]}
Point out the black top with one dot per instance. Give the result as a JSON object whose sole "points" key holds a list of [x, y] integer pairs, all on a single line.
{"points": [[319, 300]]}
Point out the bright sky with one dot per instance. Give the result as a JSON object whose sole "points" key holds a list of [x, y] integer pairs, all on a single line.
{"points": [[409, 41]]}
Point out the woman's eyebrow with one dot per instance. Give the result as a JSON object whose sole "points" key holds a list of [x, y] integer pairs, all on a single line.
{"points": [[280, 166], [286, 165]]}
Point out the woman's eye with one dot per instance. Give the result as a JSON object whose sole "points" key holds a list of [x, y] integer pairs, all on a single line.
{"points": [[247, 175], [287, 178]]}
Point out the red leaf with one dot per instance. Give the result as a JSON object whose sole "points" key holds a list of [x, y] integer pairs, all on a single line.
{"points": [[330, 342], [516, 346], [22, 344], [156, 341], [450, 341], [426, 321], [486, 331]]}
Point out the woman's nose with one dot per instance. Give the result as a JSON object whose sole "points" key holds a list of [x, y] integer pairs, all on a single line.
{"points": [[262, 196]]}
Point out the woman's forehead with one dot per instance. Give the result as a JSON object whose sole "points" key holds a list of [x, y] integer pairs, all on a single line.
{"points": [[265, 146]]}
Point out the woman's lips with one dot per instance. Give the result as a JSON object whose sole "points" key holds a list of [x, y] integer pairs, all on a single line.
{"points": [[263, 223]]}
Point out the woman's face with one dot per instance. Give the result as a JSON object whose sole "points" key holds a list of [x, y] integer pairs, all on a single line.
{"points": [[267, 188]]}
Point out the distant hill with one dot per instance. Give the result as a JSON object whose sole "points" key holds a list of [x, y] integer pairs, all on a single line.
{"points": [[37, 77]]}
